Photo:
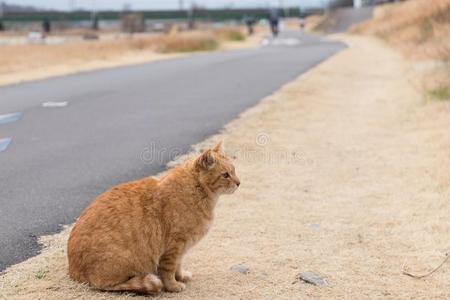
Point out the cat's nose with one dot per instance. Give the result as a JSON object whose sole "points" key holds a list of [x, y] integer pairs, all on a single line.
{"points": [[238, 183]]}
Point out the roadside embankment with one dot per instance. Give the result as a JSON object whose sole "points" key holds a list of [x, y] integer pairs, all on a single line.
{"points": [[420, 29]]}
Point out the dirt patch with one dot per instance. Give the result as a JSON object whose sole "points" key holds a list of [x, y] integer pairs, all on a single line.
{"points": [[345, 174]]}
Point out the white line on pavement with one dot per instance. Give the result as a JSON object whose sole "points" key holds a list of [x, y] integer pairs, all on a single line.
{"points": [[4, 143], [9, 118], [55, 104]]}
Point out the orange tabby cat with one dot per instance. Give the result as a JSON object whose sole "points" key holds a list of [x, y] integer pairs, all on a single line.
{"points": [[134, 236]]}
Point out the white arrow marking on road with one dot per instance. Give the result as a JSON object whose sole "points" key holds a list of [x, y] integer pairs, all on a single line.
{"points": [[4, 143], [9, 118]]}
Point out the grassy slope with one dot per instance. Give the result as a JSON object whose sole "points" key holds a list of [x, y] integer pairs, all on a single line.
{"points": [[421, 30]]}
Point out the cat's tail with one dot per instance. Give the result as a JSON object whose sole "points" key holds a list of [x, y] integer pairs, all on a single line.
{"points": [[148, 284]]}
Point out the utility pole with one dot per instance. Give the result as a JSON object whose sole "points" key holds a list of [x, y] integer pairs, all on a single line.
{"points": [[181, 4], [72, 5], [357, 3], [94, 16], [2, 13], [191, 16], [93, 10], [282, 8]]}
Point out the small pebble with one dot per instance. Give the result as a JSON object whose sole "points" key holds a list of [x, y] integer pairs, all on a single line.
{"points": [[315, 226], [241, 269], [312, 278]]}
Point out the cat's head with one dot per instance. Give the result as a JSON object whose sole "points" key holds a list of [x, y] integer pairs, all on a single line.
{"points": [[216, 171]]}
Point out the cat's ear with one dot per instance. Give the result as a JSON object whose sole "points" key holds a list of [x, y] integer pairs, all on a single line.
{"points": [[206, 160], [218, 148]]}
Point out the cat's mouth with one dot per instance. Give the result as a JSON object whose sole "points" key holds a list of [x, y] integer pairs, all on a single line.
{"points": [[232, 190]]}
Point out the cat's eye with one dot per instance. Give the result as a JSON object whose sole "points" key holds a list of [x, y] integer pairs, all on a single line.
{"points": [[226, 175]]}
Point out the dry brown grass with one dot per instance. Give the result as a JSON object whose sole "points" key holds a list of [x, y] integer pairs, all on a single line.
{"points": [[421, 30], [187, 42], [234, 34], [22, 57]]}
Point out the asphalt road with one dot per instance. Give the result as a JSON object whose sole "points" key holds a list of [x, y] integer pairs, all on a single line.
{"points": [[121, 124]]}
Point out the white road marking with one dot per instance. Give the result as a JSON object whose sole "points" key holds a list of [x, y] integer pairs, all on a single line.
{"points": [[4, 143], [281, 42], [265, 42], [55, 104], [286, 42], [9, 118]]}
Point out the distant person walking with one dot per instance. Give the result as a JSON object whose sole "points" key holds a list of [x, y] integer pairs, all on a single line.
{"points": [[302, 23], [46, 26], [249, 22], [95, 25], [274, 21]]}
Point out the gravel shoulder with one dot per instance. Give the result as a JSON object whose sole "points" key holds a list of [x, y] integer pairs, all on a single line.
{"points": [[345, 173]]}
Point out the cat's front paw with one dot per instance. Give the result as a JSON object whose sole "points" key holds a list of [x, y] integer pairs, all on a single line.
{"points": [[175, 287], [184, 276]]}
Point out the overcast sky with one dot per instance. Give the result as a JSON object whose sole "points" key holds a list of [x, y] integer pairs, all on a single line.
{"points": [[157, 4]]}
